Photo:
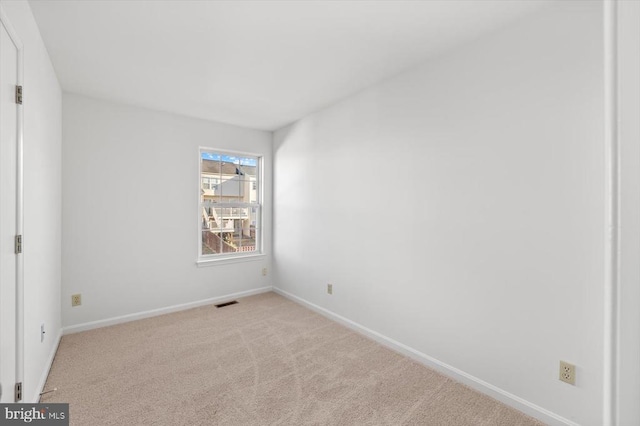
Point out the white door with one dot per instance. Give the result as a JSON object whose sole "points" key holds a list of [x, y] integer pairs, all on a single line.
{"points": [[10, 220]]}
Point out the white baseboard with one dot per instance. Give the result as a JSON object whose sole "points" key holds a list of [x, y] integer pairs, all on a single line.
{"points": [[45, 373], [161, 311], [501, 395]]}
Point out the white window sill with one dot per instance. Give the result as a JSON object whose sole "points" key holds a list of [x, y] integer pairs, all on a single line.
{"points": [[214, 261]]}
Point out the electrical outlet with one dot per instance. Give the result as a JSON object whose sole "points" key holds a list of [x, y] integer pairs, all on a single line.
{"points": [[264, 272], [329, 288], [76, 300], [41, 333], [567, 373]]}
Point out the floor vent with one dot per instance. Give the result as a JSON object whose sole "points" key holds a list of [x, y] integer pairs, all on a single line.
{"points": [[222, 305]]}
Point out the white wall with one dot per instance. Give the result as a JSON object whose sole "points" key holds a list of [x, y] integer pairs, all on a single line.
{"points": [[629, 133], [487, 251], [130, 210], [42, 203]]}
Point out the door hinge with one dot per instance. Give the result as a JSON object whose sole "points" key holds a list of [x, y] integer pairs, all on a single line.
{"points": [[18, 244], [18, 392], [19, 95]]}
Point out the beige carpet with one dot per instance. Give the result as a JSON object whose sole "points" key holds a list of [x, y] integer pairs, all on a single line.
{"points": [[264, 361]]}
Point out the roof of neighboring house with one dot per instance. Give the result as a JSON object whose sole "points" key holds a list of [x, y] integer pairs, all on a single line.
{"points": [[217, 167]]}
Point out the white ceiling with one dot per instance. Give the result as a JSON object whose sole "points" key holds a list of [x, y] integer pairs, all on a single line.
{"points": [[258, 64]]}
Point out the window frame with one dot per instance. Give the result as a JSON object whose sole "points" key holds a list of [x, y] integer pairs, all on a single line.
{"points": [[258, 253]]}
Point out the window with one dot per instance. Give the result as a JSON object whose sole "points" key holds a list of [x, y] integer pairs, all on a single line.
{"points": [[230, 204], [210, 183]]}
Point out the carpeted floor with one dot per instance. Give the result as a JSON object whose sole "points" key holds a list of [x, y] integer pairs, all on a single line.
{"points": [[263, 361]]}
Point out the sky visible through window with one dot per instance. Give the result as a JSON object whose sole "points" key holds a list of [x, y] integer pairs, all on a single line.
{"points": [[230, 159]]}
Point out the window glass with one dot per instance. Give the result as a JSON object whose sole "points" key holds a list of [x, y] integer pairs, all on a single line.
{"points": [[229, 204]]}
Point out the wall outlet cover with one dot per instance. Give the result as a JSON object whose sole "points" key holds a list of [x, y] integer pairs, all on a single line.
{"points": [[76, 300], [567, 373]]}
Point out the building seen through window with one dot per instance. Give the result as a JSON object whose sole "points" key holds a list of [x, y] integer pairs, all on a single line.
{"points": [[230, 204]]}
